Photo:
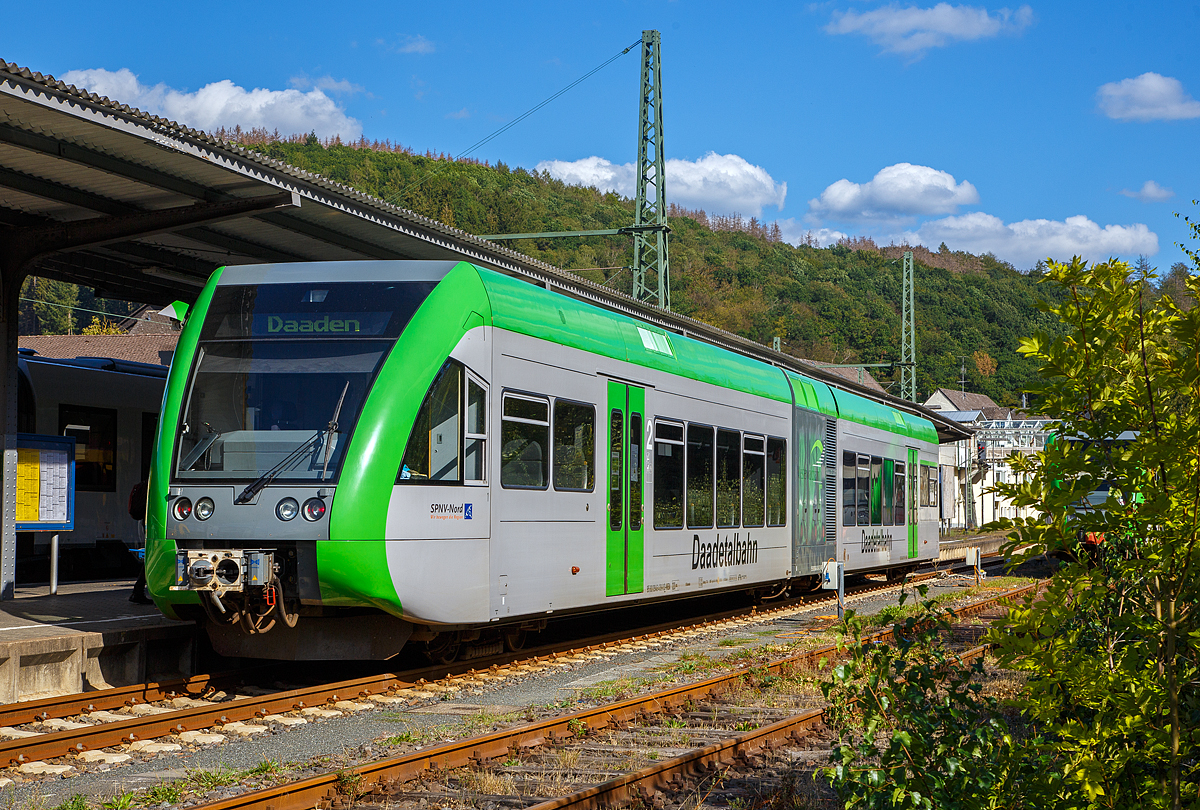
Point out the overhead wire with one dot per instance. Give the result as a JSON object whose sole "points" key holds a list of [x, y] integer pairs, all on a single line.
{"points": [[400, 194]]}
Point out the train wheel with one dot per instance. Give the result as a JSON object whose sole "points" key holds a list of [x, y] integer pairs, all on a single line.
{"points": [[514, 639], [443, 648]]}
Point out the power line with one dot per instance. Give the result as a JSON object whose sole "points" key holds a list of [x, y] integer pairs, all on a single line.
{"points": [[399, 194], [85, 309]]}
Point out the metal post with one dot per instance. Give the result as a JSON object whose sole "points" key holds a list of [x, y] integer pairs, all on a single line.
{"points": [[650, 248], [11, 275], [841, 592], [908, 338], [54, 564]]}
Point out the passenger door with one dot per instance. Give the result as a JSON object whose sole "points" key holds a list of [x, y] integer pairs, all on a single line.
{"points": [[625, 546], [913, 468]]}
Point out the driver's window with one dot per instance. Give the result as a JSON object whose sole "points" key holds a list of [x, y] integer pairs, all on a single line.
{"points": [[434, 451]]}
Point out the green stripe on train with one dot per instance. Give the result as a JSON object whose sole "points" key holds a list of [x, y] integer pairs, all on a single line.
{"points": [[160, 556]]}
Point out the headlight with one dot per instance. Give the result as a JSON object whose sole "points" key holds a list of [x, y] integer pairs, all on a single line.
{"points": [[314, 509], [287, 509], [182, 509], [205, 508]]}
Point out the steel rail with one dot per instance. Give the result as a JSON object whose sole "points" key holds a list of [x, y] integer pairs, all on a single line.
{"points": [[645, 782], [104, 735], [321, 790]]}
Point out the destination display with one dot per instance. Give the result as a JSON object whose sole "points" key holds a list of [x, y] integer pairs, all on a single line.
{"points": [[327, 323]]}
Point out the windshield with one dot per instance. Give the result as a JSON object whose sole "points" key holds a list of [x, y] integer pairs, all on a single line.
{"points": [[280, 376]]}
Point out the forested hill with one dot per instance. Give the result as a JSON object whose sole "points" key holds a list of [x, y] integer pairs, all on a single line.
{"points": [[839, 304]]}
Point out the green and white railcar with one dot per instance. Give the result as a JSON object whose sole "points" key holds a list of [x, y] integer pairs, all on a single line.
{"points": [[358, 455]]}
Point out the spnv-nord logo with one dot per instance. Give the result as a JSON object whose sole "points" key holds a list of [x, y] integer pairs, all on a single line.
{"points": [[451, 511]]}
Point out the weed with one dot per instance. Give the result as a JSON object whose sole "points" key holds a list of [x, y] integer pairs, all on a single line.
{"points": [[122, 801], [733, 642], [349, 784], [675, 722], [76, 802], [169, 792], [205, 780], [577, 727], [568, 757]]}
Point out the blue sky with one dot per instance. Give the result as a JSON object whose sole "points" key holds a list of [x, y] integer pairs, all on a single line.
{"points": [[1026, 130]]}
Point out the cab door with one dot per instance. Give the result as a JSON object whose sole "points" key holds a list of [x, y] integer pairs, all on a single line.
{"points": [[625, 546]]}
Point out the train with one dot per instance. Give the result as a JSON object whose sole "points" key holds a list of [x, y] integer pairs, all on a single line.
{"points": [[111, 408], [354, 457]]}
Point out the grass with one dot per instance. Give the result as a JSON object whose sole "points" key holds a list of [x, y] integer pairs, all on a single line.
{"points": [[477, 723], [733, 642]]}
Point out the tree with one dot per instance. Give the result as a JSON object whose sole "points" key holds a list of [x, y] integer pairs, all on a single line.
{"points": [[48, 306], [1113, 649], [100, 326], [984, 363]]}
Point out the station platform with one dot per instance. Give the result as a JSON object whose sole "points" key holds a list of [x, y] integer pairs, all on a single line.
{"points": [[955, 548], [88, 636]]}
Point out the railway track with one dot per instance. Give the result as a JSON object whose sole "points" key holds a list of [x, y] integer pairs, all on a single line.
{"points": [[738, 733], [114, 725]]}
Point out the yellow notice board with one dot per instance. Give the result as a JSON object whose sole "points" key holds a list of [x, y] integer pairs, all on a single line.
{"points": [[45, 483]]}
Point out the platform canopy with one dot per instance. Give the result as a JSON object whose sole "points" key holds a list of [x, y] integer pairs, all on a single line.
{"points": [[100, 194]]}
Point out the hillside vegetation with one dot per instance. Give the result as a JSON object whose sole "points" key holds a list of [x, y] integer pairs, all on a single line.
{"points": [[839, 304]]}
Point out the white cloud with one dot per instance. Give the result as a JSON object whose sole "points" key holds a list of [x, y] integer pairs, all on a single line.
{"points": [[1150, 192], [416, 44], [913, 30], [224, 104], [326, 83], [896, 193], [720, 184], [463, 113], [1149, 97], [799, 233], [1027, 241]]}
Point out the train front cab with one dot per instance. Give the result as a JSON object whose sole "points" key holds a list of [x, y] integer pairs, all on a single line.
{"points": [[285, 416]]}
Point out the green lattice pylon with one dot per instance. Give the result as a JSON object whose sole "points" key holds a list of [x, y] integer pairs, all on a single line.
{"points": [[908, 335], [651, 269]]}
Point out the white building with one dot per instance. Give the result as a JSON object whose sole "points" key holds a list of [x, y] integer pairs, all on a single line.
{"points": [[1000, 432]]}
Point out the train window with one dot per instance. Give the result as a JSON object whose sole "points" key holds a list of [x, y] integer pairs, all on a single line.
{"points": [[524, 442], [754, 484], [95, 432], [668, 475], [876, 490], [434, 449], [849, 476], [923, 471], [635, 471], [888, 491], [776, 482], [863, 497], [933, 486], [898, 501], [475, 432], [574, 446], [699, 477], [729, 479]]}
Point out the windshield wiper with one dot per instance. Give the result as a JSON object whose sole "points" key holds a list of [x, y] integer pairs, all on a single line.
{"points": [[270, 475], [200, 449], [332, 429]]}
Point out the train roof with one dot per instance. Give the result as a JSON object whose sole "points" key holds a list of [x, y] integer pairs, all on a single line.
{"points": [[608, 326]]}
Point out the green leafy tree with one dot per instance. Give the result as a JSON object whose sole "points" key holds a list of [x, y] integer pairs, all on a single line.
{"points": [[915, 730], [48, 307], [1113, 648]]}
